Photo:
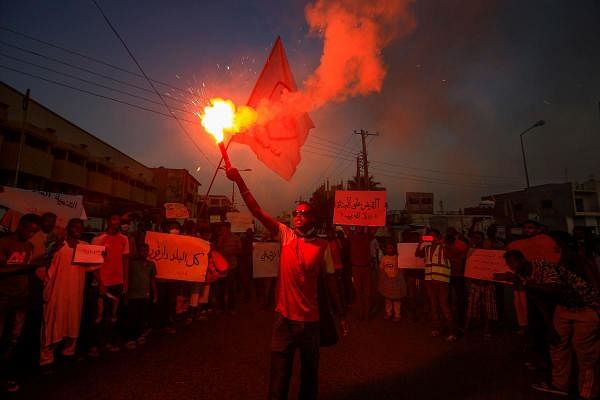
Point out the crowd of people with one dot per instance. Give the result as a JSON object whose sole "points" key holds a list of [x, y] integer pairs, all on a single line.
{"points": [[51, 307]]}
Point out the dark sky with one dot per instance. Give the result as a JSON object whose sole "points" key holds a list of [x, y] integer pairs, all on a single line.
{"points": [[459, 89]]}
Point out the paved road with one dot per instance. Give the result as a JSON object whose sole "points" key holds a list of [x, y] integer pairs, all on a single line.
{"points": [[227, 358]]}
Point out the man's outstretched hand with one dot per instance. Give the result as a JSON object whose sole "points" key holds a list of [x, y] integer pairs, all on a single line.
{"points": [[233, 174]]}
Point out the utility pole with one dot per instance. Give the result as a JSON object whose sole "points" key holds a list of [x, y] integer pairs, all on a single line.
{"points": [[25, 107], [365, 161]]}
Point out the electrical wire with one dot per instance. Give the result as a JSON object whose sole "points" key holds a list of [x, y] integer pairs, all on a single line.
{"points": [[79, 54], [152, 84]]}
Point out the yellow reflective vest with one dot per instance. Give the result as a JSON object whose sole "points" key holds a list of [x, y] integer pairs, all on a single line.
{"points": [[437, 265]]}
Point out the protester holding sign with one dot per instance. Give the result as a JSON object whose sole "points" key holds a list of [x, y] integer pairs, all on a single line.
{"points": [[391, 283], [142, 290], [63, 297], [299, 322], [15, 254], [437, 283], [482, 296], [576, 323], [113, 278]]}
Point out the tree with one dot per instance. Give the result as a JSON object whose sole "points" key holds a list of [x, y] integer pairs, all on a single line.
{"points": [[356, 183]]}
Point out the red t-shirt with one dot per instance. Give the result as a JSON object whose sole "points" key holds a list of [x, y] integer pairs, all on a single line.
{"points": [[117, 246], [360, 249], [299, 267], [538, 247]]}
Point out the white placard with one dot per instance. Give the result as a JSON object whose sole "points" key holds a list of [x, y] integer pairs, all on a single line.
{"points": [[88, 254], [240, 221], [176, 211], [407, 258], [265, 259], [482, 264], [65, 206]]}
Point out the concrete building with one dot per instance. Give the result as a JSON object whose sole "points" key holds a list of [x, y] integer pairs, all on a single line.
{"points": [[214, 207], [177, 186], [560, 206], [56, 155]]}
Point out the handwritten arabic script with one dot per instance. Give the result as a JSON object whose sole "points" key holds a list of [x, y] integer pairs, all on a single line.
{"points": [[178, 257], [365, 208]]}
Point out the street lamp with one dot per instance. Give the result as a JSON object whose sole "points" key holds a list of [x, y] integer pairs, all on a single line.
{"points": [[539, 123], [233, 187]]}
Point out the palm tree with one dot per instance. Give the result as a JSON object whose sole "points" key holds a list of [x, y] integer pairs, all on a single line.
{"points": [[356, 183]]}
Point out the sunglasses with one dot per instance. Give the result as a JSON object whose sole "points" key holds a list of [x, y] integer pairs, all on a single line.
{"points": [[297, 213]]}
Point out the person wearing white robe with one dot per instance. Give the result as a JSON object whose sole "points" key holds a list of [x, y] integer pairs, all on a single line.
{"points": [[63, 298]]}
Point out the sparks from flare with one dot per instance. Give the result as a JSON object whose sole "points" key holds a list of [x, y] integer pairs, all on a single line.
{"points": [[221, 117]]}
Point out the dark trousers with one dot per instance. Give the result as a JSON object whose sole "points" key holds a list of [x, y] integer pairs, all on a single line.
{"points": [[167, 302], [138, 311], [12, 323], [227, 290], [362, 289], [438, 294], [287, 337], [458, 299]]}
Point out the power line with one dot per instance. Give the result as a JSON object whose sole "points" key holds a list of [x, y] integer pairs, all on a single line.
{"points": [[66, 85], [89, 71], [151, 83], [79, 54], [86, 81]]}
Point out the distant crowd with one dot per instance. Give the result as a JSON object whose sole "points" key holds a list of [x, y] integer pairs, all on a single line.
{"points": [[52, 308]]}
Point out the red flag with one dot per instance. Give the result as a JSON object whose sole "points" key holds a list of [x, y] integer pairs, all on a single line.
{"points": [[277, 143]]}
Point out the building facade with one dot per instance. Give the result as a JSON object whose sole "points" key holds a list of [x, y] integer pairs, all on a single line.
{"points": [[41, 150], [559, 206], [177, 186]]}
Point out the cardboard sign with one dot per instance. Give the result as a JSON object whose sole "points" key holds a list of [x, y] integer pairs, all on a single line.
{"points": [[88, 254], [176, 211], [32, 201], [363, 208], [178, 257], [265, 259], [407, 258], [483, 264], [240, 221]]}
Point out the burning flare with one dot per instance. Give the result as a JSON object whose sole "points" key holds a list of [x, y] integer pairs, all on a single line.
{"points": [[221, 116]]}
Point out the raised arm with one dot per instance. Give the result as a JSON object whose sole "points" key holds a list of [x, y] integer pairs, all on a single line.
{"points": [[269, 222]]}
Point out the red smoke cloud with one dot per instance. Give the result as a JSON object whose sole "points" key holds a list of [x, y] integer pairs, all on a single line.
{"points": [[355, 32]]}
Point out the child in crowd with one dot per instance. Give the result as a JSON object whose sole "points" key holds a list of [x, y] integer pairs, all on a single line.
{"points": [[142, 288], [391, 283]]}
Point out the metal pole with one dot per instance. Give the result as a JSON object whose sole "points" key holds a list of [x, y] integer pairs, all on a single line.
{"points": [[524, 160], [22, 137]]}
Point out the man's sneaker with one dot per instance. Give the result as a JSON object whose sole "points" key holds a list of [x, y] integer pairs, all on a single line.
{"points": [[12, 386], [141, 340], [201, 317], [435, 333], [548, 388], [170, 330], [111, 348], [93, 352], [387, 316], [451, 338], [131, 345], [396, 319]]}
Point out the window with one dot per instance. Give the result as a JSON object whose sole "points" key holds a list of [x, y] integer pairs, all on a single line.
{"points": [[12, 136], [59, 154], [104, 170], [546, 204], [36, 143], [76, 159], [579, 205], [91, 166]]}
